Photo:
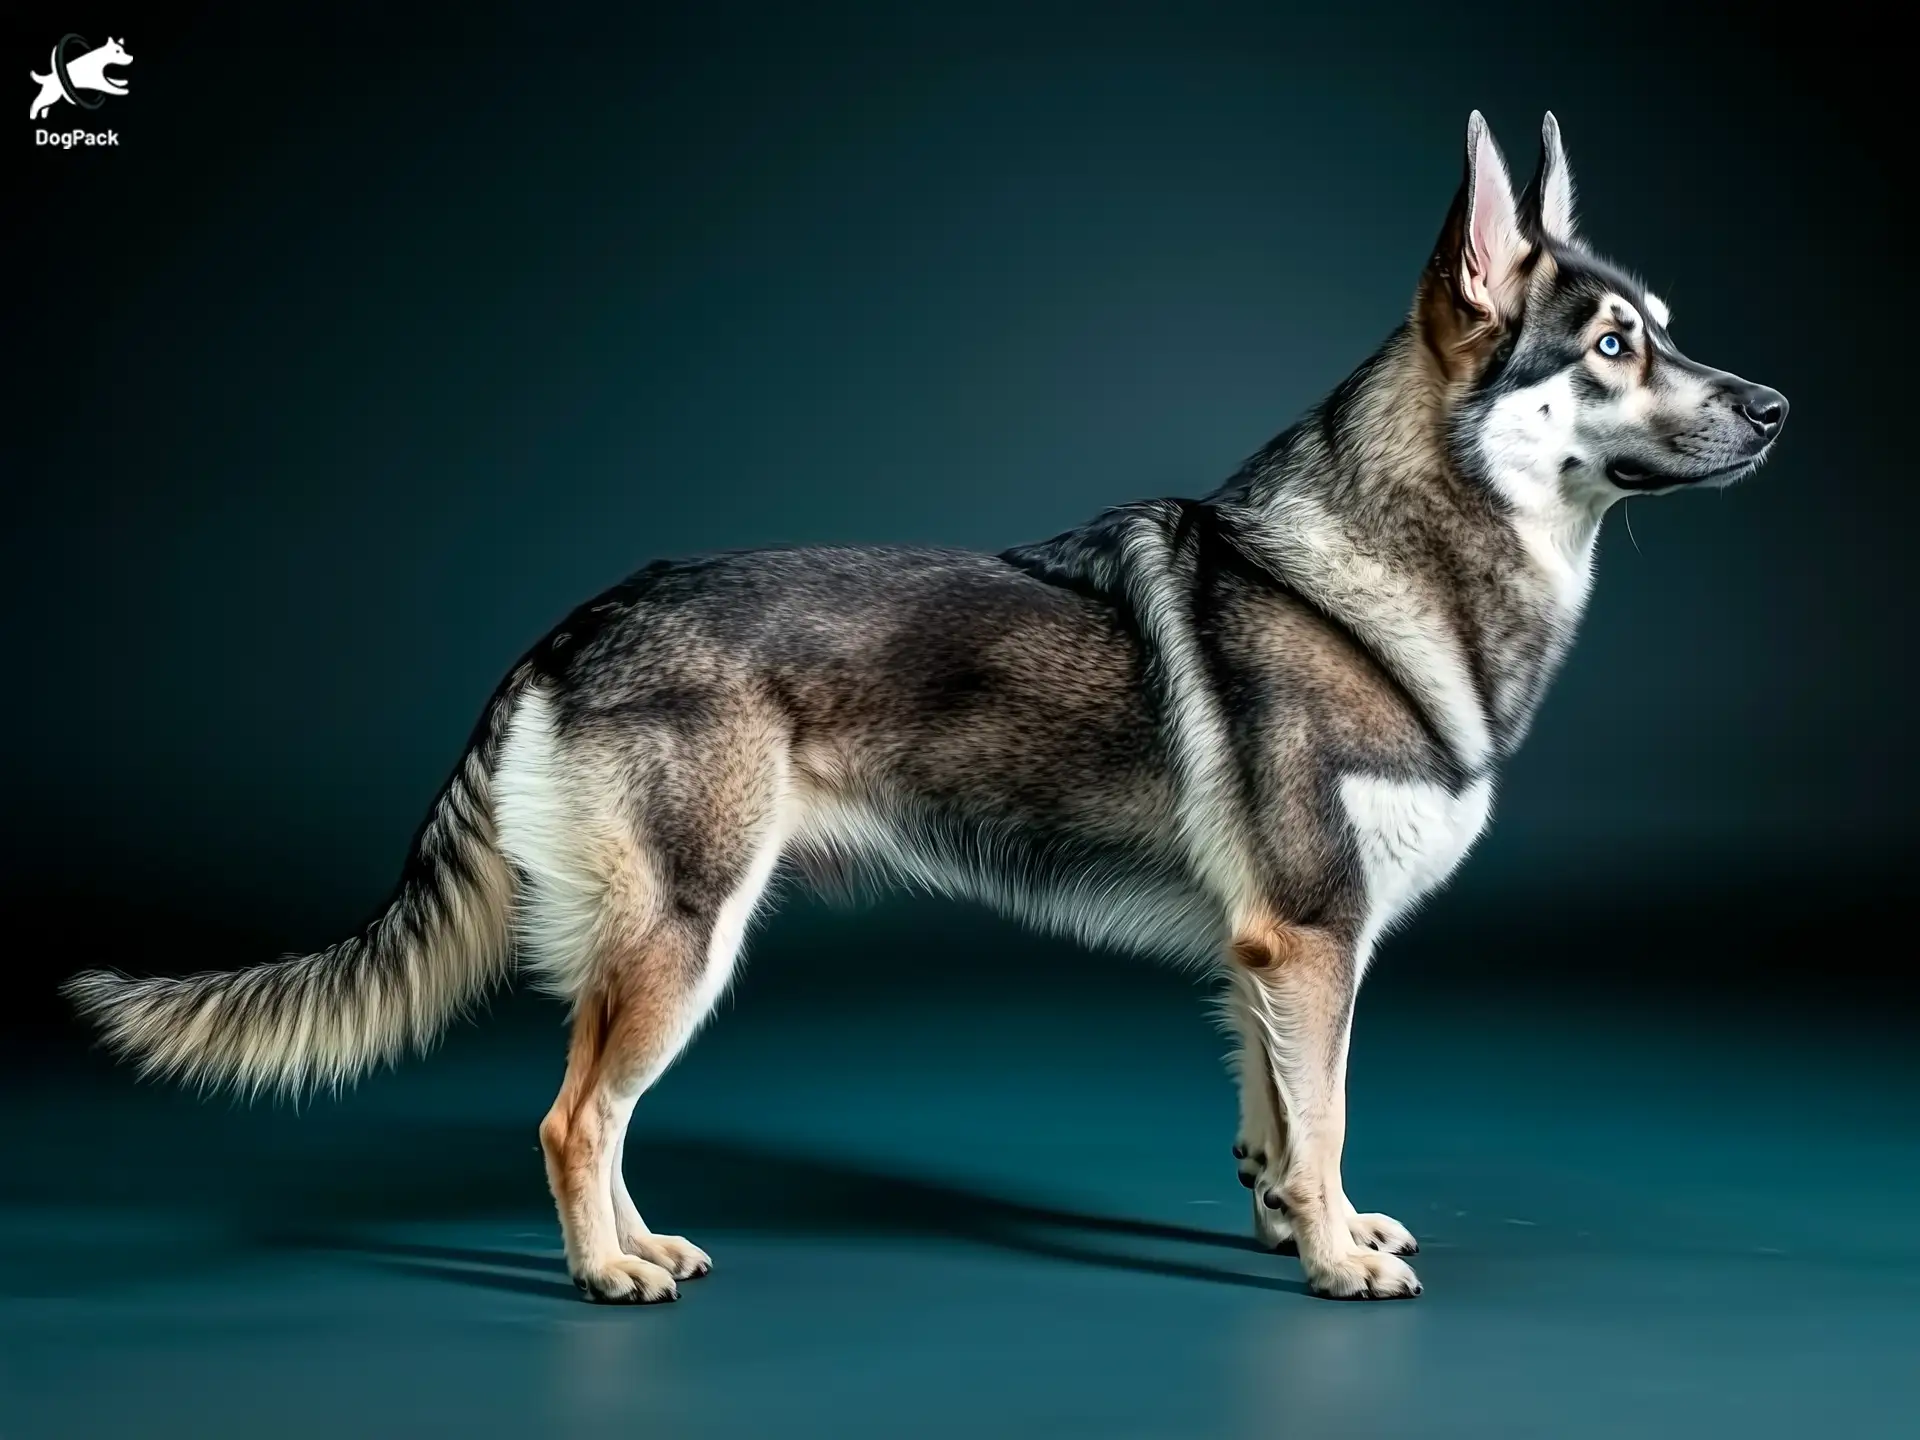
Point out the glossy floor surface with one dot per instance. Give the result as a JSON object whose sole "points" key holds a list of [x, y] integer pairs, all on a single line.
{"points": [[938, 1211]]}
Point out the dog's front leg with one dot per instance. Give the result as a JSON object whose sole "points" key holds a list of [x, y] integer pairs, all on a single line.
{"points": [[1294, 986], [1262, 1142]]}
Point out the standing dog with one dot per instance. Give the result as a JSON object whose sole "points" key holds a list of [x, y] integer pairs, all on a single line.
{"points": [[1250, 731]]}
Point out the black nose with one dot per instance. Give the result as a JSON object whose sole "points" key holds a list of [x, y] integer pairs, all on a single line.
{"points": [[1766, 410]]}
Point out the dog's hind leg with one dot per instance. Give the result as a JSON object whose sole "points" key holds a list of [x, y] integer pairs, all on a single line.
{"points": [[627, 1031], [675, 1254], [1295, 985], [724, 937], [645, 854], [625, 1034], [579, 1139]]}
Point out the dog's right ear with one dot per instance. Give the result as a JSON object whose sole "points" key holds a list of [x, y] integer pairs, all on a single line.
{"points": [[1547, 207], [1476, 281]]}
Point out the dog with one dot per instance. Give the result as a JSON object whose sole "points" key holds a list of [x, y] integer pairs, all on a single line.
{"points": [[1249, 731], [88, 72]]}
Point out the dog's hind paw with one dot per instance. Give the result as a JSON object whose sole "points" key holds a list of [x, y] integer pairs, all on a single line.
{"points": [[675, 1254], [1363, 1275], [625, 1280], [1383, 1233]]}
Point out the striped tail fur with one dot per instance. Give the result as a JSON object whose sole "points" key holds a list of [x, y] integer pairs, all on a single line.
{"points": [[320, 1021]]}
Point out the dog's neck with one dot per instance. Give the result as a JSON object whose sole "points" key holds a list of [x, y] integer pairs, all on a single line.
{"points": [[1463, 588]]}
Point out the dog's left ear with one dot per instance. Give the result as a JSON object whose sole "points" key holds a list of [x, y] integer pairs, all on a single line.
{"points": [[1475, 285], [1478, 269], [1547, 207], [1493, 249]]}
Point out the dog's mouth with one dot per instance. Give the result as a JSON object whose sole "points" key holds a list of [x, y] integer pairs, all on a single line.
{"points": [[1630, 475]]}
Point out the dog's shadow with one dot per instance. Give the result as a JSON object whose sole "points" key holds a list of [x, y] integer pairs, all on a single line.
{"points": [[730, 1185], [338, 1183]]}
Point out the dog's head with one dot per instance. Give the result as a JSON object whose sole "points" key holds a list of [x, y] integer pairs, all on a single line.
{"points": [[1568, 383], [110, 54]]}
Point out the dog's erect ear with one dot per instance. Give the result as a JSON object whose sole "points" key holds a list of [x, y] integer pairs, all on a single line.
{"points": [[1475, 285], [1492, 248], [1547, 207]]}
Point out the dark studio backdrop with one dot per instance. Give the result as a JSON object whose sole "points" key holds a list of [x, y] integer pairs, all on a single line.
{"points": [[380, 342]]}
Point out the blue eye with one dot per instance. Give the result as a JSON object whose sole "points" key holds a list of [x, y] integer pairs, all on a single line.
{"points": [[1609, 345]]}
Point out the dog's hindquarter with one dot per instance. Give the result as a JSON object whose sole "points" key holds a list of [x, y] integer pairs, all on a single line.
{"points": [[50, 94]]}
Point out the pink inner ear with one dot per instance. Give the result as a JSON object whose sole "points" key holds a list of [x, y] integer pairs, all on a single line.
{"points": [[1489, 195], [1493, 243]]}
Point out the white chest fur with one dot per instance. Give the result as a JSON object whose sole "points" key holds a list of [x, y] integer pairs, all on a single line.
{"points": [[1411, 837]]}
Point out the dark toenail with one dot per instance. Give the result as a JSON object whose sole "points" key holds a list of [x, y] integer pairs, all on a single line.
{"points": [[1249, 1178], [1273, 1201], [1239, 1152]]}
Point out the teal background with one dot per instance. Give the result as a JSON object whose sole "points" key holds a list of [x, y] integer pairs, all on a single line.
{"points": [[379, 344], [381, 341]]}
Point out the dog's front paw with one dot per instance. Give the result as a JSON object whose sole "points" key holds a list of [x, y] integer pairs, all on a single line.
{"points": [[1383, 1233], [625, 1280], [1363, 1275], [675, 1254]]}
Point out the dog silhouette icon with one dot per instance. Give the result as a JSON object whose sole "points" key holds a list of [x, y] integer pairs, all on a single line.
{"points": [[88, 71]]}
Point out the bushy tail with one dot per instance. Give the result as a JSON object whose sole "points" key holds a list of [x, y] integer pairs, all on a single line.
{"points": [[323, 1020]]}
